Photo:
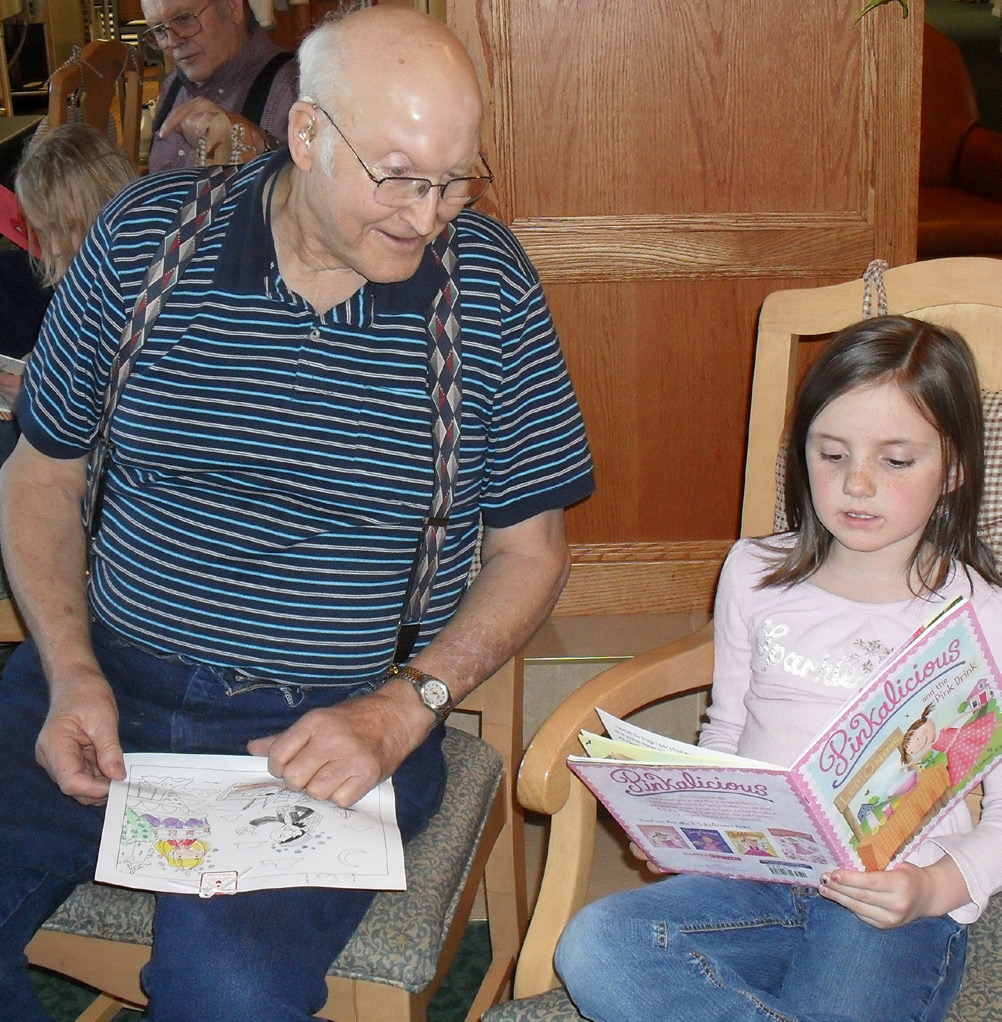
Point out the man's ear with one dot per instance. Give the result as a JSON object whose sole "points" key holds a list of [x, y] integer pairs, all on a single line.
{"points": [[302, 132], [233, 10]]}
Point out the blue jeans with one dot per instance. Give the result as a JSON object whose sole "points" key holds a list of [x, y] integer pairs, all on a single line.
{"points": [[702, 949], [248, 957]]}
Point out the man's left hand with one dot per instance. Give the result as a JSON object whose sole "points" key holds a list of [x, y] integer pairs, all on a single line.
{"points": [[338, 753]]}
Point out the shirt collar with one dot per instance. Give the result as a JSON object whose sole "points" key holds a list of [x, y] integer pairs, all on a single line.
{"points": [[248, 259]]}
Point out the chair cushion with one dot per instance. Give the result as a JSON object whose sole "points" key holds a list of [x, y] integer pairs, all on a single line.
{"points": [[400, 938], [990, 518], [553, 1006], [981, 993]]}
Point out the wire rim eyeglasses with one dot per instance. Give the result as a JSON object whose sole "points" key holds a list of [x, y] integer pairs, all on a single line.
{"points": [[183, 26], [398, 192]]}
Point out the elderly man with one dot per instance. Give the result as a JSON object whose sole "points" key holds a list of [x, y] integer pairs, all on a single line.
{"points": [[271, 472], [227, 73]]}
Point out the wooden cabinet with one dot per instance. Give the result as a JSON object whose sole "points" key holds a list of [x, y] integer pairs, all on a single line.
{"points": [[668, 163]]}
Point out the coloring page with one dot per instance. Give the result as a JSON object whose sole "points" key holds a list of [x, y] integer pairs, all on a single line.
{"points": [[222, 824]]}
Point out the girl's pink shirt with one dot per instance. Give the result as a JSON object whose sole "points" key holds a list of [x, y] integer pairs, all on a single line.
{"points": [[785, 660]]}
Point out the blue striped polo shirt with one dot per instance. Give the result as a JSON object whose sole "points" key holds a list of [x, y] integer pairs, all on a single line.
{"points": [[272, 465]]}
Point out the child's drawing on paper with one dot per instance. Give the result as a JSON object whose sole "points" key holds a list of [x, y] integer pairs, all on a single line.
{"points": [[291, 825], [177, 826], [181, 842]]}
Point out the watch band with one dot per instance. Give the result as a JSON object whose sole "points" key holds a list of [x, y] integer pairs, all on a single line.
{"points": [[433, 692]]}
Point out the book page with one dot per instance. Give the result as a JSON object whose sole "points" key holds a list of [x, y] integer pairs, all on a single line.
{"points": [[602, 747], [222, 824], [914, 739], [629, 734]]}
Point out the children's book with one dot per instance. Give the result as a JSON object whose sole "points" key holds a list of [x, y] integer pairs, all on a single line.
{"points": [[209, 825], [910, 743], [16, 367]]}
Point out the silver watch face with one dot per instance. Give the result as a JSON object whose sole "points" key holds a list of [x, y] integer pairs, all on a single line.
{"points": [[434, 694]]}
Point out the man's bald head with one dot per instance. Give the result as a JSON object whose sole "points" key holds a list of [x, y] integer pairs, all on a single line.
{"points": [[396, 58]]}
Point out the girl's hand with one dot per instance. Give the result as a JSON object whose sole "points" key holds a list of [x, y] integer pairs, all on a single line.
{"points": [[638, 854], [897, 896]]}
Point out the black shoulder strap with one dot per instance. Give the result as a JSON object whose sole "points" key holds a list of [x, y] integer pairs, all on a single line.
{"points": [[257, 95]]}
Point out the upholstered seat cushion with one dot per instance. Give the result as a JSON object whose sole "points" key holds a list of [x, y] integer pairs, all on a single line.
{"points": [[399, 940], [553, 1006]]}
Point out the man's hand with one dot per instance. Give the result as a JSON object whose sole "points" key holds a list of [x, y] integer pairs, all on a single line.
{"points": [[893, 897], [201, 117], [341, 752], [78, 745]]}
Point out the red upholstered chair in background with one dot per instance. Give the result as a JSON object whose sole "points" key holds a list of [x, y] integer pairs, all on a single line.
{"points": [[960, 172]]}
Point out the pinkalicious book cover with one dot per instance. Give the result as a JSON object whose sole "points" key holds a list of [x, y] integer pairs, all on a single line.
{"points": [[914, 740]]}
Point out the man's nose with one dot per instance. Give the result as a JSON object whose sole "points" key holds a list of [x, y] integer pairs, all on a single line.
{"points": [[422, 216]]}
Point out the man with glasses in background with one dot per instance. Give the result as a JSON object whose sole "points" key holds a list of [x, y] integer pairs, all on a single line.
{"points": [[227, 73], [297, 424]]}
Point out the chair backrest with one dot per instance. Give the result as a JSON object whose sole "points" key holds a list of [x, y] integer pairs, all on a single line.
{"points": [[949, 108], [104, 71], [964, 294]]}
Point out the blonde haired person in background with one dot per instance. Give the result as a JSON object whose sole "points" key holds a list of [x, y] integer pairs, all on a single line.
{"points": [[61, 184]]}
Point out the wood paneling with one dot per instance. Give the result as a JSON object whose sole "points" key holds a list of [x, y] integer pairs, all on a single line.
{"points": [[667, 165]]}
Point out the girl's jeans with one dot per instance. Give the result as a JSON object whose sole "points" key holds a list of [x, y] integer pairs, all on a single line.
{"points": [[247, 957], [700, 948]]}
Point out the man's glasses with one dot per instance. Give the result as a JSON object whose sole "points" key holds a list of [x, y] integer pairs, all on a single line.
{"points": [[407, 191], [184, 26]]}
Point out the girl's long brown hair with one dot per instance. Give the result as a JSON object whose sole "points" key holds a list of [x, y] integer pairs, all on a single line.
{"points": [[936, 369]]}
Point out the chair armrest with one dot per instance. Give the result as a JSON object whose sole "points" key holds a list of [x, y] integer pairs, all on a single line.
{"points": [[677, 668], [979, 164]]}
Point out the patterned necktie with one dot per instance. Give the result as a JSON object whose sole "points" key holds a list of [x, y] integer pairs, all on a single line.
{"points": [[163, 273], [445, 391]]}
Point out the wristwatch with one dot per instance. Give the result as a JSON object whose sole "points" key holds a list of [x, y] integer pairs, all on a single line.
{"points": [[433, 692]]}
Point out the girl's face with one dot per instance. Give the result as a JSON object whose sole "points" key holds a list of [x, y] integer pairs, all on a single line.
{"points": [[876, 471]]}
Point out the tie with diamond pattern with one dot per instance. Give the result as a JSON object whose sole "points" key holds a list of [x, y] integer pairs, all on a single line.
{"points": [[176, 250], [444, 389]]}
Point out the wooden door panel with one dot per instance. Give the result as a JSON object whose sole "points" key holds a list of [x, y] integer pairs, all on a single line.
{"points": [[668, 163], [650, 91]]}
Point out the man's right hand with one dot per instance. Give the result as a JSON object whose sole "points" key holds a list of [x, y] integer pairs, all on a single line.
{"points": [[78, 745]]}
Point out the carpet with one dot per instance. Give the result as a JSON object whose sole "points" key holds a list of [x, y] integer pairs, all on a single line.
{"points": [[64, 999]]}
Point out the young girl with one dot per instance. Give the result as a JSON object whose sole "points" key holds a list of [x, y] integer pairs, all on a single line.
{"points": [[885, 472]]}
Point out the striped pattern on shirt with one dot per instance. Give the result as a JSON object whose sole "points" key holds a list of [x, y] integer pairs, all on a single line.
{"points": [[272, 466]]}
